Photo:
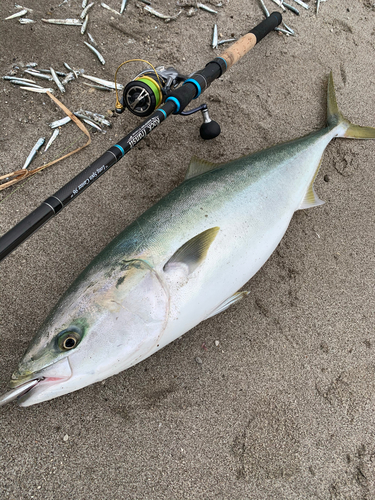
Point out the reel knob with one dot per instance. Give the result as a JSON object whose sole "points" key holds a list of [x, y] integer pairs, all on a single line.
{"points": [[209, 128]]}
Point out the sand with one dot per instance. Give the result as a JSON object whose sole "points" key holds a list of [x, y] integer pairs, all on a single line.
{"points": [[280, 404]]}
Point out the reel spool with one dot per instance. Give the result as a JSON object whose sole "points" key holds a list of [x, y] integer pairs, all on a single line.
{"points": [[148, 90], [142, 95]]}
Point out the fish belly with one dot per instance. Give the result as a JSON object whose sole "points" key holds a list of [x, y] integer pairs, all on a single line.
{"points": [[253, 215]]}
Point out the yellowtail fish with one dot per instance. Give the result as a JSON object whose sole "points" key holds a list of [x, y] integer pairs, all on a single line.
{"points": [[179, 263]]}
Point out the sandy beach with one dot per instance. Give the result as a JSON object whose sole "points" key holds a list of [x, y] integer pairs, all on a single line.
{"points": [[272, 399]]}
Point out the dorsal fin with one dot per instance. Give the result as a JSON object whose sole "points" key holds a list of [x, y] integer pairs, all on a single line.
{"points": [[193, 252], [198, 166]]}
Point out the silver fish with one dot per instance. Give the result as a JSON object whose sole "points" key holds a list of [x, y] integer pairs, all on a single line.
{"points": [[302, 4], [88, 121], [72, 70], [26, 21], [227, 41], [69, 77], [105, 6], [285, 32], [214, 37], [48, 72], [53, 137], [123, 6], [95, 116], [84, 25], [179, 263], [37, 74], [57, 81], [65, 22], [85, 10], [291, 8], [7, 77], [31, 65], [105, 83], [154, 12], [25, 8], [289, 29], [279, 3], [17, 14], [98, 87], [207, 9], [84, 3], [264, 8], [60, 123], [33, 152], [23, 82], [40, 90], [96, 52], [91, 38], [317, 5]]}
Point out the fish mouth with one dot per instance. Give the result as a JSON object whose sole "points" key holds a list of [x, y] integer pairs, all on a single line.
{"points": [[24, 386]]}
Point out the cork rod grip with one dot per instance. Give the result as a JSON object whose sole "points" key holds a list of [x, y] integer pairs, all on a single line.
{"points": [[234, 53]]}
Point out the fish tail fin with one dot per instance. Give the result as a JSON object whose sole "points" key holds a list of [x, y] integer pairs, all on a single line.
{"points": [[336, 118]]}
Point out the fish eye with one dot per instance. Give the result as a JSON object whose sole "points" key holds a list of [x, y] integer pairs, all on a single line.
{"points": [[68, 339]]}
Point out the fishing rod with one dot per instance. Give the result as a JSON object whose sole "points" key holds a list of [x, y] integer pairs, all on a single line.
{"points": [[142, 97]]}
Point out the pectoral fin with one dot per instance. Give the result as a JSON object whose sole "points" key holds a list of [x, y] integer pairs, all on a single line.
{"points": [[232, 300], [193, 252]]}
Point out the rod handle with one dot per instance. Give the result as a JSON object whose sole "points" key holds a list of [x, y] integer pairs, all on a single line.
{"points": [[236, 51]]}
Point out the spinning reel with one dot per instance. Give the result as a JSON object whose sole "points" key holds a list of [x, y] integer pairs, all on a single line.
{"points": [[150, 88]]}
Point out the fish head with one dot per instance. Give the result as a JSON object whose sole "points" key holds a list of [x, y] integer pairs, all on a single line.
{"points": [[107, 321]]}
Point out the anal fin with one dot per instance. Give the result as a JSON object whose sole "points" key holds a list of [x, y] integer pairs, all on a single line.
{"points": [[311, 199], [228, 302]]}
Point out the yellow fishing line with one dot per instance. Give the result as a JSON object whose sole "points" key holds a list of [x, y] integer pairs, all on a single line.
{"points": [[118, 104]]}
